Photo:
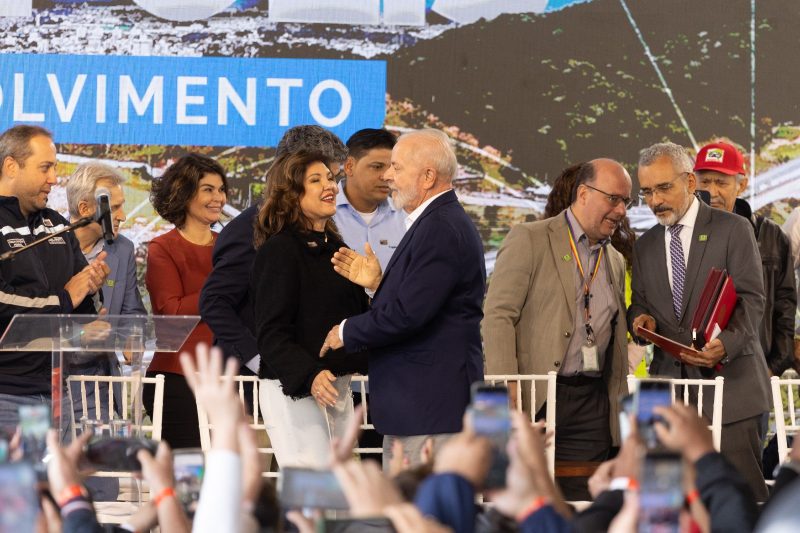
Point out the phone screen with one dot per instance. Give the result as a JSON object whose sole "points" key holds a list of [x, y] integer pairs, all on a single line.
{"points": [[118, 454], [188, 467], [19, 503], [626, 408], [492, 419], [34, 421], [300, 488], [661, 493], [650, 395]]}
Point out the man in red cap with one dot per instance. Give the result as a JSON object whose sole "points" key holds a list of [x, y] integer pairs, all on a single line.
{"points": [[721, 171]]}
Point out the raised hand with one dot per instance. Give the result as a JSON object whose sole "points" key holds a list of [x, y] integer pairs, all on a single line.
{"points": [[363, 270]]}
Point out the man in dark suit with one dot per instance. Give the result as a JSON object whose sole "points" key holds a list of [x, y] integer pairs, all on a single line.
{"points": [[423, 331], [671, 262]]}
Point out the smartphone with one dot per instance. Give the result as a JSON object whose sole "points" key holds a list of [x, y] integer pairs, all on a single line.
{"points": [[118, 454], [300, 488], [491, 418], [188, 466], [353, 525], [651, 394], [19, 501], [661, 493], [34, 421]]}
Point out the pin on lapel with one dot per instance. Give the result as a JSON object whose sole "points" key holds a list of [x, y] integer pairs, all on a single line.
{"points": [[566, 257], [702, 238]]}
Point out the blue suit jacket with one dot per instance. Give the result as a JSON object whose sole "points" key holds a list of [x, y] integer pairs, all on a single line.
{"points": [[423, 330], [120, 292]]}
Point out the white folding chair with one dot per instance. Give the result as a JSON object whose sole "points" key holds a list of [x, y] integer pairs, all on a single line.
{"points": [[257, 423], [132, 491], [688, 385], [531, 381], [364, 381], [785, 416], [126, 384]]}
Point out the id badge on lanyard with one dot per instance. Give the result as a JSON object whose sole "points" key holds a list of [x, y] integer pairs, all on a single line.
{"points": [[591, 360]]}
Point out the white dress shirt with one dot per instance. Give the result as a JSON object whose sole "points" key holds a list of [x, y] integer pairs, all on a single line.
{"points": [[688, 221]]}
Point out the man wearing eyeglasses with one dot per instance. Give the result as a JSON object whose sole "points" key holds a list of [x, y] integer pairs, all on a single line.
{"points": [[556, 302], [720, 171], [670, 266]]}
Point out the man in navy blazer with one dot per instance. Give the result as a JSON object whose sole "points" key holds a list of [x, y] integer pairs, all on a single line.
{"points": [[423, 331]]}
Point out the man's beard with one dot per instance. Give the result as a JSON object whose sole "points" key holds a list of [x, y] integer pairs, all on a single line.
{"points": [[401, 199]]}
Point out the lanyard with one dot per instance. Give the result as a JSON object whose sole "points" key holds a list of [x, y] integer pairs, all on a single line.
{"points": [[587, 283]]}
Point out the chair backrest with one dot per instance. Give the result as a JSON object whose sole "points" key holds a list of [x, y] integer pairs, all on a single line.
{"points": [[531, 381], [786, 416], [257, 422], [103, 399], [693, 391]]}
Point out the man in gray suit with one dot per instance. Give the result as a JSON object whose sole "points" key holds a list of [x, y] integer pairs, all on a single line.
{"points": [[671, 262], [120, 292], [556, 301]]}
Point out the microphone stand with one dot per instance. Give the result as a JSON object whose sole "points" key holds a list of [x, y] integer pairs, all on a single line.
{"points": [[85, 221]]}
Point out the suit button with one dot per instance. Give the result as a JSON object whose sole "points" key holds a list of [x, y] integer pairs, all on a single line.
{"points": [[680, 330], [676, 363], [556, 363], [567, 333]]}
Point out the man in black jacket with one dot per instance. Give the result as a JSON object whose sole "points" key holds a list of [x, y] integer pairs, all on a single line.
{"points": [[51, 278], [720, 171]]}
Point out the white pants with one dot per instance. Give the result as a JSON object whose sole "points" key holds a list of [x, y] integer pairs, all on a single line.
{"points": [[301, 430]]}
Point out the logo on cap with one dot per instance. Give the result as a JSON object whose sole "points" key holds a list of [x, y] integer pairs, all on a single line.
{"points": [[715, 154]]}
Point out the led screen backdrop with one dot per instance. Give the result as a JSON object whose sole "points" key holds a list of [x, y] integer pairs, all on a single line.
{"points": [[523, 87]]}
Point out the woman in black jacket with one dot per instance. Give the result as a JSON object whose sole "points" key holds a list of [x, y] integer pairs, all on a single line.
{"points": [[297, 297]]}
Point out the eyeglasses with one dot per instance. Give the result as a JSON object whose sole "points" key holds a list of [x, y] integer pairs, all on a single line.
{"points": [[661, 188], [614, 199]]}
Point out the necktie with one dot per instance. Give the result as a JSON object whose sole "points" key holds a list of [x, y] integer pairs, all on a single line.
{"points": [[678, 268]]}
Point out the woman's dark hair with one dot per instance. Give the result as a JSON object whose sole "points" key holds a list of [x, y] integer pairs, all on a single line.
{"points": [[171, 194], [562, 195], [281, 206]]}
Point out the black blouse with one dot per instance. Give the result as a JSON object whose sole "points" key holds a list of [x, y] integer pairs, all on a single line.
{"points": [[297, 299]]}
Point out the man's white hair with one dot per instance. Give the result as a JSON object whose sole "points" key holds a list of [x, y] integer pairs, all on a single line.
{"points": [[83, 182], [437, 152], [676, 153]]}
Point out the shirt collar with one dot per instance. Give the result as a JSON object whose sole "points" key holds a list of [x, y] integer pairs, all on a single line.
{"points": [[95, 251], [342, 200], [578, 233], [415, 214], [690, 216]]}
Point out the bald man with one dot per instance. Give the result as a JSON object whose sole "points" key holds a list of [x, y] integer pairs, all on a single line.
{"points": [[571, 318]]}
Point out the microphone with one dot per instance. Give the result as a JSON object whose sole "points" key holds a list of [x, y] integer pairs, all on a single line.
{"points": [[102, 199]]}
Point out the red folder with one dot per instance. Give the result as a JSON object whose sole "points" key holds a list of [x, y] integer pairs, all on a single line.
{"points": [[668, 345], [715, 307], [711, 315]]}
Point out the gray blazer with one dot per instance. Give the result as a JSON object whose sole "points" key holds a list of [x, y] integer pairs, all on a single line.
{"points": [[529, 312], [722, 240], [120, 292]]}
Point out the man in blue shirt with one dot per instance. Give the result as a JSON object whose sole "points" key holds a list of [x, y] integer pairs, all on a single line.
{"points": [[364, 212]]}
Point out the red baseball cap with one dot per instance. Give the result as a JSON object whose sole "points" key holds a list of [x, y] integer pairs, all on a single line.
{"points": [[720, 157]]}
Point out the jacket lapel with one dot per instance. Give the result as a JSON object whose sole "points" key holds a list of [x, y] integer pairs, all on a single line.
{"points": [[449, 196], [108, 290], [697, 249], [563, 259]]}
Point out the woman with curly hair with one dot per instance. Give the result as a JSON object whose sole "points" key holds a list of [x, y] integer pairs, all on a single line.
{"points": [[297, 297], [190, 195]]}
